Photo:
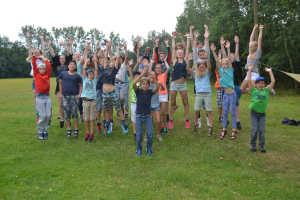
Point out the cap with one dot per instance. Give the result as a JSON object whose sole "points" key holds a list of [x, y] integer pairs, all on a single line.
{"points": [[137, 72], [260, 78]]}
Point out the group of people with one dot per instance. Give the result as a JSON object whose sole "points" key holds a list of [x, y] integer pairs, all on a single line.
{"points": [[95, 84]]}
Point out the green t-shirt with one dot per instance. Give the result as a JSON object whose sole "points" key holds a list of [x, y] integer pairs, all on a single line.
{"points": [[259, 99], [133, 95]]}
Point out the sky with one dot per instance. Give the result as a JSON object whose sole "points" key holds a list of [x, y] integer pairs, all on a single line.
{"points": [[131, 17]]}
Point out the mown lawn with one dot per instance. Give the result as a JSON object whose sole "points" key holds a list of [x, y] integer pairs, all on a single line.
{"points": [[183, 166]]}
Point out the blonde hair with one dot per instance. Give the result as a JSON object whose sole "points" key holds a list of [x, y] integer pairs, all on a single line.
{"points": [[224, 59], [254, 43], [200, 74], [113, 58], [179, 50], [177, 45], [145, 79], [29, 58]]}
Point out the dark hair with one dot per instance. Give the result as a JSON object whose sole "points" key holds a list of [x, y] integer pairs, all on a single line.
{"points": [[146, 57], [73, 61], [148, 48], [123, 58]]}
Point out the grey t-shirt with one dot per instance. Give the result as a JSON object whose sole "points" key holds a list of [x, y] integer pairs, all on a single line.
{"points": [[121, 73], [253, 58]]}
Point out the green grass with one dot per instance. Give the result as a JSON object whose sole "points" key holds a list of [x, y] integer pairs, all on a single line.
{"points": [[183, 166]]}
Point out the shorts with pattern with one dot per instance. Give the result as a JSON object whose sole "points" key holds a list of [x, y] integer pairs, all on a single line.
{"points": [[70, 105], [89, 110], [220, 98], [111, 98]]}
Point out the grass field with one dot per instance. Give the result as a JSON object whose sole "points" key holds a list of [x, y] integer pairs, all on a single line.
{"points": [[183, 166]]}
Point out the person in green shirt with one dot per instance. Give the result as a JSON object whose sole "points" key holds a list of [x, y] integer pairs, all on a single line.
{"points": [[133, 97], [260, 97]]}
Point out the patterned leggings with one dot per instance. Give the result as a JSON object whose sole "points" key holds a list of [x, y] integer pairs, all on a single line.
{"points": [[70, 106], [229, 100]]}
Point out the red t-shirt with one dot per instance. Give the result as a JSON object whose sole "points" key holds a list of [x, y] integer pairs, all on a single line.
{"points": [[42, 81]]}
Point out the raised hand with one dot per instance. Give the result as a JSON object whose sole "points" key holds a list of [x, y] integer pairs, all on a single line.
{"points": [[41, 36], [255, 26], [140, 45], [118, 47], [140, 59], [213, 47], [222, 41], [250, 67], [196, 34], [236, 39], [86, 44], [139, 38], [220, 52], [28, 34], [130, 62], [166, 41], [191, 27], [227, 44], [71, 40], [125, 45], [266, 69], [205, 26], [174, 35], [152, 61], [191, 56], [179, 35], [261, 27], [187, 35], [48, 42], [62, 42], [205, 55], [206, 34], [156, 39]]}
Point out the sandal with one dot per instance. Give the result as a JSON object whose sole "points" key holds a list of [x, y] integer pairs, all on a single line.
{"points": [[232, 137], [195, 129], [210, 131], [222, 136]]}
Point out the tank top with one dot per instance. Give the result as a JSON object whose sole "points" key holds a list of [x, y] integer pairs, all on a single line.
{"points": [[179, 70]]}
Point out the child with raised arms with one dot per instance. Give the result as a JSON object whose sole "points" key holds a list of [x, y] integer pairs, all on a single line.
{"points": [[259, 98], [143, 111], [42, 74]]}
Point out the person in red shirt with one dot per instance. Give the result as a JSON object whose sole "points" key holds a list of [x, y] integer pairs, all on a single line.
{"points": [[42, 74]]}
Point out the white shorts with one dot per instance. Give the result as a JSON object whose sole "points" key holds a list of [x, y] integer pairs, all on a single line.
{"points": [[163, 98], [254, 76], [133, 113]]}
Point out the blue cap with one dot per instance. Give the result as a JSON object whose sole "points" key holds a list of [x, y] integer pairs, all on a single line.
{"points": [[260, 78], [137, 72]]}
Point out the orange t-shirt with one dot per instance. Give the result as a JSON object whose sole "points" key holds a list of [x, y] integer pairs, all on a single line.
{"points": [[163, 79], [217, 85]]}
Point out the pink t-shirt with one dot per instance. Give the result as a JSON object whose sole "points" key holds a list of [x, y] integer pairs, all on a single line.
{"points": [[163, 79]]}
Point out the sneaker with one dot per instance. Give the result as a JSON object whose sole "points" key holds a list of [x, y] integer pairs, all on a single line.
{"points": [[81, 119], [62, 124], [187, 124], [220, 119], [108, 129], [239, 126], [45, 135], [159, 138], [145, 138], [149, 151], [262, 149], [125, 129], [175, 107], [69, 133], [76, 133], [126, 116], [168, 117], [134, 137], [170, 125], [164, 130], [37, 119], [207, 122], [103, 123], [199, 122], [91, 137], [86, 138], [58, 117], [40, 135], [99, 128], [111, 126], [138, 152], [253, 148]]}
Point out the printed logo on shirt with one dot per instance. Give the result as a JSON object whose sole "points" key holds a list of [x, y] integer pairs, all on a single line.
{"points": [[89, 85], [252, 56], [261, 95]]}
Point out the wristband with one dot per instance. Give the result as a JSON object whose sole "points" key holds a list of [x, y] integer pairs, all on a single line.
{"points": [[188, 37], [169, 68]]}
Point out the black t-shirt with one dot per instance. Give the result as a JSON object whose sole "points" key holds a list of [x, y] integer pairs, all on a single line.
{"points": [[143, 105], [236, 67], [109, 75], [56, 63]]}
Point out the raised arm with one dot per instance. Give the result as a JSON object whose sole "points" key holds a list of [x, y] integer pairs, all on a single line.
{"points": [[168, 67], [63, 42], [222, 42], [70, 50], [139, 45], [151, 65], [156, 85], [271, 76], [252, 35], [261, 27], [187, 51], [138, 79], [136, 45], [250, 67], [29, 43], [126, 53], [117, 65], [173, 48], [237, 41], [43, 44], [96, 67], [208, 63], [130, 72], [84, 56], [196, 35], [137, 64], [169, 51], [182, 41], [228, 51], [206, 34], [191, 36], [84, 68], [50, 48], [34, 66], [106, 55]]}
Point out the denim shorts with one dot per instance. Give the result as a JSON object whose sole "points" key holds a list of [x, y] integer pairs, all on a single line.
{"points": [[33, 84], [178, 87], [155, 109]]}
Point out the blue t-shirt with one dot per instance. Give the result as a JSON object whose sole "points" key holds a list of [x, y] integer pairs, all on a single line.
{"points": [[89, 88], [143, 105], [226, 80], [202, 84], [109, 74], [100, 73], [70, 83], [154, 98]]}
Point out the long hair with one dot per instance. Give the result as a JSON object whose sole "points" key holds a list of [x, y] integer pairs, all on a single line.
{"points": [[29, 58], [200, 74]]}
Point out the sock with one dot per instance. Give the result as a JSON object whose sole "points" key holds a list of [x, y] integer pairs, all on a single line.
{"points": [[187, 120], [171, 121], [36, 112], [107, 124], [123, 123]]}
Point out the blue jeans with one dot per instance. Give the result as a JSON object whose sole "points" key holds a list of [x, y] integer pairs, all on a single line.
{"points": [[140, 120], [120, 91], [126, 106], [258, 125], [229, 101]]}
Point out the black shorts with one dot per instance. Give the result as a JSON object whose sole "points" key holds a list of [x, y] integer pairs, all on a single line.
{"points": [[57, 88]]}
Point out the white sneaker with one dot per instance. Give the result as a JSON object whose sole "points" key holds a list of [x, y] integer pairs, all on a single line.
{"points": [[199, 122], [207, 121], [111, 126]]}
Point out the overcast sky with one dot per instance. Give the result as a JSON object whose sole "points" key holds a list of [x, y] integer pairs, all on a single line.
{"points": [[131, 17]]}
